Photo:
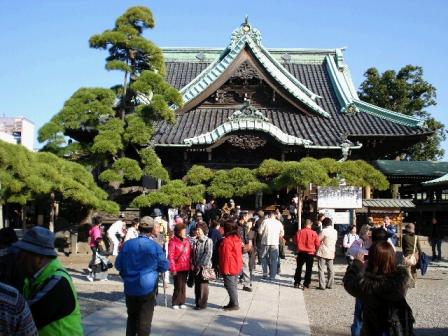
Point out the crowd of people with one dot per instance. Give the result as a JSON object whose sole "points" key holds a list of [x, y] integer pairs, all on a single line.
{"points": [[37, 296], [227, 244]]}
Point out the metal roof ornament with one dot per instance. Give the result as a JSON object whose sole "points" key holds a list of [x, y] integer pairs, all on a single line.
{"points": [[350, 108], [200, 56], [346, 147], [247, 112], [245, 30], [286, 57]]}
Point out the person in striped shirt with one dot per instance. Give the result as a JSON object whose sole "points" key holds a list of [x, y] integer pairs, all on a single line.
{"points": [[15, 315]]}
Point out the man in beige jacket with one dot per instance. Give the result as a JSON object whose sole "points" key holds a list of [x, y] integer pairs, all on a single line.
{"points": [[326, 253]]}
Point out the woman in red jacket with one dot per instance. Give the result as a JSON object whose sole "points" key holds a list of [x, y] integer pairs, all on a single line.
{"points": [[179, 257], [231, 262]]}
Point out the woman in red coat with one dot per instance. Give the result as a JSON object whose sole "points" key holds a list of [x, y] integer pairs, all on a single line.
{"points": [[231, 262], [179, 257]]}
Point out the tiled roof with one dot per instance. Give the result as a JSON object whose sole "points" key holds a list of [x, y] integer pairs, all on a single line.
{"points": [[388, 203], [316, 80], [443, 180], [392, 168], [180, 74], [320, 130]]}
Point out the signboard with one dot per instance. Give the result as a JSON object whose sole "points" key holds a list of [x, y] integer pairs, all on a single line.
{"points": [[339, 197], [329, 213], [342, 217]]}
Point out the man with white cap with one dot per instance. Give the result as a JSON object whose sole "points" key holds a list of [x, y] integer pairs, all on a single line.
{"points": [[116, 229], [161, 235], [48, 288]]}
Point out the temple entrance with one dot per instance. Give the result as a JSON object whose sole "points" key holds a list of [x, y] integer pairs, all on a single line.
{"points": [[246, 149]]}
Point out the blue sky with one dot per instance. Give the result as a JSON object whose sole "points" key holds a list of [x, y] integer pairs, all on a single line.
{"points": [[45, 53]]}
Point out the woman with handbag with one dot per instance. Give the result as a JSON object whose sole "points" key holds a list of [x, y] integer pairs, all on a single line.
{"points": [[179, 250], [101, 262], [411, 249], [201, 260], [382, 287]]}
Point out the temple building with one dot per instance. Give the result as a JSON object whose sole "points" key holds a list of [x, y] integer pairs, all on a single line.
{"points": [[246, 103]]}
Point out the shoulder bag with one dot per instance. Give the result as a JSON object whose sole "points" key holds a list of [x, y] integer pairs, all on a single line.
{"points": [[207, 272], [411, 260]]}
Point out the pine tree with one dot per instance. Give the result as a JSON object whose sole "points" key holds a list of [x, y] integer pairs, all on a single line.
{"points": [[110, 130], [298, 175], [25, 176]]}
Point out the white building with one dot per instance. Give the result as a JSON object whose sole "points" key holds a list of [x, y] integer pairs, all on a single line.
{"points": [[17, 130]]}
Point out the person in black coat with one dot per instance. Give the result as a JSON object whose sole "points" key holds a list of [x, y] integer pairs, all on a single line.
{"points": [[382, 288], [436, 238], [215, 235]]}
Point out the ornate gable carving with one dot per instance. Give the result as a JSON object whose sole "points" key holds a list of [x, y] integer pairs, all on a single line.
{"points": [[246, 71], [247, 112], [246, 83]]}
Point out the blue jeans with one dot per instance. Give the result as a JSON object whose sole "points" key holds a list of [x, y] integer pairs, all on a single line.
{"points": [[357, 319], [269, 257]]}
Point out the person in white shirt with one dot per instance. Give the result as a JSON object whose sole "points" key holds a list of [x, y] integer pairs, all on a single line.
{"points": [[116, 229], [270, 231], [347, 242], [326, 253], [201, 206], [132, 232]]}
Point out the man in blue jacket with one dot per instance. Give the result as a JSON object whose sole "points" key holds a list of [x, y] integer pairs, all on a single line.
{"points": [[391, 230], [139, 263]]}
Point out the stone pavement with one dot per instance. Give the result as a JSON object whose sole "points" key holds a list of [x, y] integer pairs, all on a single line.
{"points": [[273, 308]]}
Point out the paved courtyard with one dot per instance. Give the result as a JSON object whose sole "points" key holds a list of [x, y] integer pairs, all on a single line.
{"points": [[271, 309], [331, 311]]}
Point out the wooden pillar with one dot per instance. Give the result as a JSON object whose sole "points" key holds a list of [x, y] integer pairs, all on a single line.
{"points": [[209, 154], [367, 191], [283, 156], [395, 188]]}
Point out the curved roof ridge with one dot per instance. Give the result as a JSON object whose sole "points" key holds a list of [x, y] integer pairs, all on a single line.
{"points": [[245, 125], [383, 113], [241, 37], [351, 102]]}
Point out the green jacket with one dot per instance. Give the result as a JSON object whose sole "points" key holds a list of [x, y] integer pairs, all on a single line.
{"points": [[53, 301], [408, 244]]}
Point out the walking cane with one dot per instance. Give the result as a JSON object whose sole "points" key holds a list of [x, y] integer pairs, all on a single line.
{"points": [[164, 289]]}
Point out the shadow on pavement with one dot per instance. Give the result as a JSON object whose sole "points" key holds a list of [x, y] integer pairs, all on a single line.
{"points": [[431, 331]]}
